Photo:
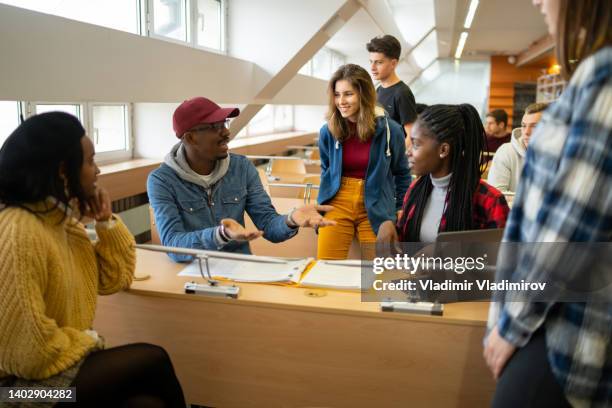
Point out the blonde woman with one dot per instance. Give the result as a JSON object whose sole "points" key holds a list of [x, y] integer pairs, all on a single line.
{"points": [[364, 170]]}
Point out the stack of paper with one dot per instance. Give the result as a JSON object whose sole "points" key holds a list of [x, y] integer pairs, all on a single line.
{"points": [[249, 268], [334, 275]]}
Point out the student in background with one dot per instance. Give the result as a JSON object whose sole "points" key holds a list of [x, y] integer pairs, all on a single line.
{"points": [[393, 94], [447, 146], [200, 193], [51, 274], [364, 171], [508, 161], [496, 126], [552, 353]]}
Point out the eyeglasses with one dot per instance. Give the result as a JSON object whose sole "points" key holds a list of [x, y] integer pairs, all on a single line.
{"points": [[217, 127]]}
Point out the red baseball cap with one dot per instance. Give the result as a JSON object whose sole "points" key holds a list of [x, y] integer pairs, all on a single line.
{"points": [[199, 110]]}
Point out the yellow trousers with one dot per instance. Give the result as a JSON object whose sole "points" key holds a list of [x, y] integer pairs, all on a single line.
{"points": [[351, 217]]}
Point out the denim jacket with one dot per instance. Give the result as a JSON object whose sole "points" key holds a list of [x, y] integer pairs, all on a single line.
{"points": [[387, 175], [188, 216]]}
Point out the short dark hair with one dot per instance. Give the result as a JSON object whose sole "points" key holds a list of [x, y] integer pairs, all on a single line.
{"points": [[420, 107], [387, 44], [499, 115], [31, 158], [535, 108]]}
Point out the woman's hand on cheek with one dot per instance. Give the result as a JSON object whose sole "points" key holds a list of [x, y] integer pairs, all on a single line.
{"points": [[99, 206]]}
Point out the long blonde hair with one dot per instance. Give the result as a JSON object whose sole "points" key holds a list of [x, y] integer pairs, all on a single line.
{"points": [[366, 118], [583, 27]]}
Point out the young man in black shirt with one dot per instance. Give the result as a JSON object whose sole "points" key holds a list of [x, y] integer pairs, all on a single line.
{"points": [[393, 94]]}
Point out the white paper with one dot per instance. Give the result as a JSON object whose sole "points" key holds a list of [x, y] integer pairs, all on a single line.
{"points": [[334, 275], [247, 271]]}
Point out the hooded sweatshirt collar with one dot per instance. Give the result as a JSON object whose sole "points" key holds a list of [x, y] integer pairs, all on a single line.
{"points": [[177, 161], [517, 142]]}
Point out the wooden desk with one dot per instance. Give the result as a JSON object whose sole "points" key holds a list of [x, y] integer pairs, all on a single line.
{"points": [[128, 178], [276, 346], [292, 177]]}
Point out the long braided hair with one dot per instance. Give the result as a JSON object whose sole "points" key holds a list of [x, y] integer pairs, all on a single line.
{"points": [[461, 128]]}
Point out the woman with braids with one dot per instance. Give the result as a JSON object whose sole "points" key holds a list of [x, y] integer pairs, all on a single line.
{"points": [[447, 146], [364, 171], [51, 274]]}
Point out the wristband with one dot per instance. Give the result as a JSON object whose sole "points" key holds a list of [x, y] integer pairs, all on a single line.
{"points": [[290, 219], [223, 234]]}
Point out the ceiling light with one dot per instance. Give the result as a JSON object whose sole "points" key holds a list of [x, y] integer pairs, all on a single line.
{"points": [[461, 44], [470, 14]]}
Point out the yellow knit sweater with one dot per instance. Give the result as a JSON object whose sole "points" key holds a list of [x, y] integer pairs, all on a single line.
{"points": [[50, 276]]}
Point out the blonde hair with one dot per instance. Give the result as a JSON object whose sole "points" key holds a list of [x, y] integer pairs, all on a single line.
{"points": [[535, 108], [583, 28], [366, 117]]}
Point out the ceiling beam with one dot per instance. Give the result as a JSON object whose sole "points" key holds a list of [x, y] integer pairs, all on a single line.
{"points": [[290, 69], [536, 50]]}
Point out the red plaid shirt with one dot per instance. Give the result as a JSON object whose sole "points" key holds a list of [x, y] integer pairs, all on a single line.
{"points": [[490, 210]]}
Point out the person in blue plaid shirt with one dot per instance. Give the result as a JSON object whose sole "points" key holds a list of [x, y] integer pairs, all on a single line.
{"points": [[555, 354]]}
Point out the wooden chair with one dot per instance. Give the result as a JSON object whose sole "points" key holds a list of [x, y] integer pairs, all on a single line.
{"points": [[303, 244], [264, 179], [154, 234], [287, 166], [315, 154], [310, 194], [485, 174]]}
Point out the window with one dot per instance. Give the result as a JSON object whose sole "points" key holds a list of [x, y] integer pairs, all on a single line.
{"points": [[9, 119], [170, 19], [283, 118], [73, 109], [109, 128], [270, 119], [426, 51], [306, 69], [107, 124], [262, 122], [197, 22], [337, 61], [209, 24], [323, 64], [118, 14]]}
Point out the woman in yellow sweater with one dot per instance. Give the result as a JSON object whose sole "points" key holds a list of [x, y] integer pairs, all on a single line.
{"points": [[51, 274]]}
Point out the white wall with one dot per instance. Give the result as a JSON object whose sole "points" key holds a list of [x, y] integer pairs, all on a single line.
{"points": [[153, 132], [152, 126], [309, 117], [466, 83], [270, 32], [50, 58]]}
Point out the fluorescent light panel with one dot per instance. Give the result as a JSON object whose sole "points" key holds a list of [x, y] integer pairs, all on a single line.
{"points": [[461, 44], [470, 14]]}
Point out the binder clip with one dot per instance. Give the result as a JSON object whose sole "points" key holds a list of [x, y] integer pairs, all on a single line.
{"points": [[427, 308], [211, 287]]}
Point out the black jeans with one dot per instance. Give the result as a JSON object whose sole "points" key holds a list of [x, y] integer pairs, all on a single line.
{"points": [[527, 380], [135, 375]]}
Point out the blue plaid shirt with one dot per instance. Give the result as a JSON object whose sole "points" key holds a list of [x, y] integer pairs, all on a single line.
{"points": [[565, 195]]}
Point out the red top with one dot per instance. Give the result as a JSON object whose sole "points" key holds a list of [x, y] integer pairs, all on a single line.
{"points": [[355, 154], [493, 143], [489, 210]]}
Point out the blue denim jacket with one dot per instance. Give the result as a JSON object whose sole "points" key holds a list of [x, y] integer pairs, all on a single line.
{"points": [[387, 175], [186, 216]]}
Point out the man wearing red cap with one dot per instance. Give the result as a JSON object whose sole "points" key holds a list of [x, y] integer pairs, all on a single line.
{"points": [[200, 193]]}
